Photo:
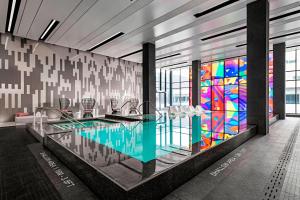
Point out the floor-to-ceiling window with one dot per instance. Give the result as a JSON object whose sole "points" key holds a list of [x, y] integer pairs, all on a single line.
{"points": [[292, 81], [173, 87], [161, 79]]}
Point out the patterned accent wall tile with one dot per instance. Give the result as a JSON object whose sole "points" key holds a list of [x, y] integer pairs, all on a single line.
{"points": [[34, 74]]}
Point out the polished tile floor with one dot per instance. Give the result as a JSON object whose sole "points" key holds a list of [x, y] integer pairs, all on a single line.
{"points": [[21, 177], [245, 172]]}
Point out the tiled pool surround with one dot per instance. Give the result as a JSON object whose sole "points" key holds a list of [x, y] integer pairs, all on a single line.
{"points": [[142, 160]]}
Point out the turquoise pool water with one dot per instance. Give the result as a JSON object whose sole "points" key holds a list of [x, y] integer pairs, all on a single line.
{"points": [[84, 124], [146, 141]]}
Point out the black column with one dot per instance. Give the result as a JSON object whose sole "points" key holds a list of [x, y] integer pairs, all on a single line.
{"points": [[279, 79], [149, 88], [195, 82], [257, 55]]}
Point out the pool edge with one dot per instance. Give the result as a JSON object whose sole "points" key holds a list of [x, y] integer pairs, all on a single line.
{"points": [[155, 187]]}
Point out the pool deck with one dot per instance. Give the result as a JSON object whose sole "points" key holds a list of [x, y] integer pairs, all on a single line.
{"points": [[249, 175]]}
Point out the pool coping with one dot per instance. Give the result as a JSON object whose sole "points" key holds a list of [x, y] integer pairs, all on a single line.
{"points": [[155, 186]]}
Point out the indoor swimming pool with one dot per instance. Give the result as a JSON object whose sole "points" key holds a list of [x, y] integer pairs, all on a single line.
{"points": [[128, 155]]}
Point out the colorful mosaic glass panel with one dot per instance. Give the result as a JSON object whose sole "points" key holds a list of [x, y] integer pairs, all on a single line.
{"points": [[218, 118], [242, 121], [232, 97], [218, 69], [217, 98], [205, 140], [232, 67], [206, 98], [205, 83], [217, 138], [242, 97], [231, 81], [232, 123], [206, 121], [206, 71], [243, 66], [218, 81], [271, 86], [243, 80]]}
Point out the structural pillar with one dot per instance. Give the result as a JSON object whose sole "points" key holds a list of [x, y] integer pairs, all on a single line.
{"points": [[149, 87], [196, 82], [279, 79], [258, 58]]}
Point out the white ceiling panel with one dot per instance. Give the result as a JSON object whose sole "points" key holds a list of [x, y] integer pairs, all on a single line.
{"points": [[115, 21], [99, 14], [50, 9], [72, 19], [153, 11], [26, 18], [3, 13]]}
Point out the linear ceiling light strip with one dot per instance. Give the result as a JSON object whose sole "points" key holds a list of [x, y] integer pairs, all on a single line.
{"points": [[115, 36], [174, 64], [177, 54], [222, 5], [130, 54], [51, 26], [285, 15], [12, 13]]}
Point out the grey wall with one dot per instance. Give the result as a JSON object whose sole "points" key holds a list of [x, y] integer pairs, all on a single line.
{"points": [[34, 74]]}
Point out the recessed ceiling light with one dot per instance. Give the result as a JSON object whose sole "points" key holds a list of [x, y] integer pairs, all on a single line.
{"points": [[51, 26], [111, 38], [12, 13], [177, 54], [174, 64], [132, 53], [222, 5]]}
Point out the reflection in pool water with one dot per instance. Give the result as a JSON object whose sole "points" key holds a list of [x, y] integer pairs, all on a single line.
{"points": [[146, 141]]}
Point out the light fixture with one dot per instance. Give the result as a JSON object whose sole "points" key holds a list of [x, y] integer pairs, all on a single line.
{"points": [[224, 33], [176, 54], [12, 13], [222, 5], [51, 26], [111, 38], [132, 53], [174, 64]]}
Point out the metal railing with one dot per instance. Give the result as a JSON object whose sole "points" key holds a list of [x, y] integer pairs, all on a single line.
{"points": [[149, 103], [62, 114], [126, 104]]}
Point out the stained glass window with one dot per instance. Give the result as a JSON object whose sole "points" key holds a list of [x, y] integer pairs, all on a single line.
{"points": [[232, 123], [206, 98], [232, 67], [217, 98], [232, 98], [271, 86], [218, 119], [218, 69], [224, 97]]}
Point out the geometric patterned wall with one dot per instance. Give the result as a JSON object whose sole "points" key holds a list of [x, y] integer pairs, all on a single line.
{"points": [[35, 74]]}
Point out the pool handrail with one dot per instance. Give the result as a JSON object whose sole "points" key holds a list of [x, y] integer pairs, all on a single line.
{"points": [[152, 107], [127, 103], [62, 115]]}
